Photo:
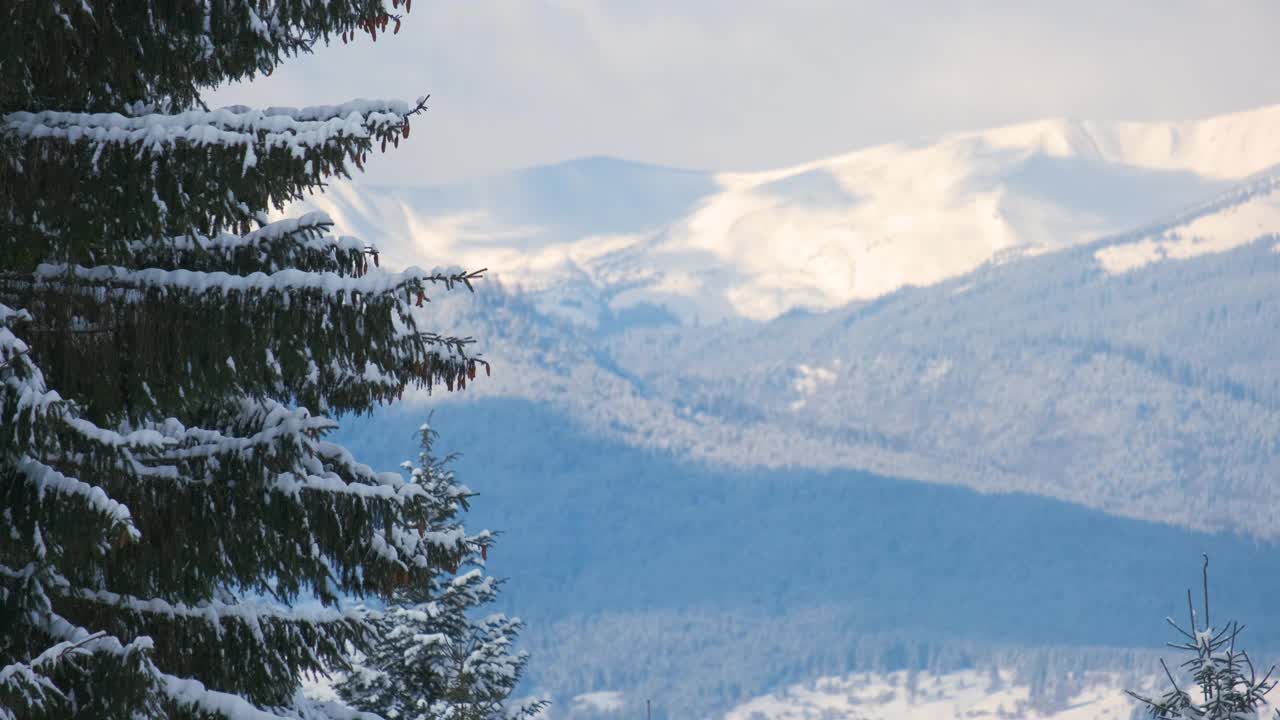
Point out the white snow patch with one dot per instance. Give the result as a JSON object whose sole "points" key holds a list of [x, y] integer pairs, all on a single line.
{"points": [[1214, 233], [1119, 259], [936, 370], [319, 688], [808, 379]]}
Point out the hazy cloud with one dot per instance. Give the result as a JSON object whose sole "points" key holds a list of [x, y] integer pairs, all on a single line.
{"points": [[754, 84]]}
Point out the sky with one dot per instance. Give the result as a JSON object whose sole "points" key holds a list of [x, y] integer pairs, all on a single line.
{"points": [[748, 84]]}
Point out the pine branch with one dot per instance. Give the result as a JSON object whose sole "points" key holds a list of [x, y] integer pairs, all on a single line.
{"points": [[80, 278], [14, 357], [48, 479], [248, 161], [170, 51]]}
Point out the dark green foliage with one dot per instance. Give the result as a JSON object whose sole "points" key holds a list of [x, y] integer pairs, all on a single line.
{"points": [[166, 357], [96, 53], [250, 163]]}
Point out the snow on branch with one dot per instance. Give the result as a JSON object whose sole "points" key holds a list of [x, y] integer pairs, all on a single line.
{"points": [[10, 315], [304, 231], [373, 283], [29, 679], [293, 484], [193, 693], [145, 439], [301, 243], [46, 479], [185, 691], [272, 420], [27, 571], [31, 393], [296, 129], [29, 385], [23, 681], [79, 640], [322, 467], [216, 612], [341, 457]]}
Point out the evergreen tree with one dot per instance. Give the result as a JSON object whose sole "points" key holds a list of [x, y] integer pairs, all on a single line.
{"points": [[431, 660], [1227, 685], [168, 357]]}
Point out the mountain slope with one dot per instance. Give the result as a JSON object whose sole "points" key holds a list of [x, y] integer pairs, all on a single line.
{"points": [[704, 513], [594, 237], [702, 586], [1150, 394]]}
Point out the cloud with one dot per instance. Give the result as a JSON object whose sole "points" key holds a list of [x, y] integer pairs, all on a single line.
{"points": [[754, 84]]}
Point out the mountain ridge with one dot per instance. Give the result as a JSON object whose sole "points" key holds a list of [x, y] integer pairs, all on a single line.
{"points": [[1050, 370], [1147, 393], [596, 236], [1103, 405]]}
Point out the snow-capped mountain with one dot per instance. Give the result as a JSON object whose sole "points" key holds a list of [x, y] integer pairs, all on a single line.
{"points": [[1040, 346], [1077, 321], [597, 236]]}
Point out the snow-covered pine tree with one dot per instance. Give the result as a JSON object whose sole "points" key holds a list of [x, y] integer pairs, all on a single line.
{"points": [[1227, 685], [431, 658], [167, 357]]}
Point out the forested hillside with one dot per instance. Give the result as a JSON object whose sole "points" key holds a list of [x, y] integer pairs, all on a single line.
{"points": [[1149, 394], [637, 570]]}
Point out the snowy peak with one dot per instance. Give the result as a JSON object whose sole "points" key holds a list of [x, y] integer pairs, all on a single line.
{"points": [[593, 238], [1229, 147], [1225, 147]]}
